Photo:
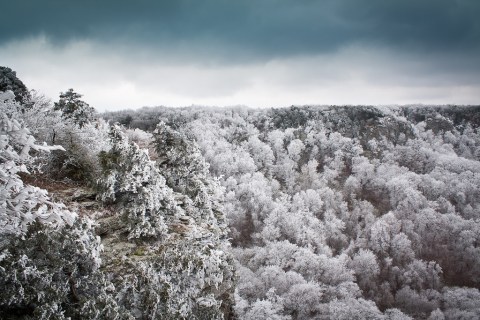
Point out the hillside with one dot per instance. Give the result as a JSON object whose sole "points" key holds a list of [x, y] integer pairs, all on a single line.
{"points": [[345, 212], [313, 212], [92, 228]]}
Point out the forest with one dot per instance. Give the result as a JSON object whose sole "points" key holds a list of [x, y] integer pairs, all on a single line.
{"points": [[303, 212]]}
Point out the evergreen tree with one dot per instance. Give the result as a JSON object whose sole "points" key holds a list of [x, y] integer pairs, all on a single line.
{"points": [[49, 258], [74, 108], [132, 181], [186, 172], [183, 270], [9, 81]]}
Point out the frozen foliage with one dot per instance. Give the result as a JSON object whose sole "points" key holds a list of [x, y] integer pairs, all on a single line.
{"points": [[180, 281], [133, 181], [75, 109], [78, 159], [162, 253], [186, 172], [22, 204], [53, 274], [345, 213], [181, 268], [49, 258], [332, 213]]}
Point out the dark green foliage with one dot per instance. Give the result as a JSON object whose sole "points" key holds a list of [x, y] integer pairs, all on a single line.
{"points": [[63, 165], [108, 160], [458, 116], [292, 117], [126, 121], [9, 81]]}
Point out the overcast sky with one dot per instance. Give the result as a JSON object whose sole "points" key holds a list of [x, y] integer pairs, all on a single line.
{"points": [[262, 53]]}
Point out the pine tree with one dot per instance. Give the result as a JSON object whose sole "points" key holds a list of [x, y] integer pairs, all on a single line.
{"points": [[186, 172], [74, 108], [133, 182], [9, 81]]}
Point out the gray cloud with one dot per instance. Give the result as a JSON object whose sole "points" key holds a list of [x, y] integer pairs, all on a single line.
{"points": [[123, 53], [111, 78], [250, 29]]}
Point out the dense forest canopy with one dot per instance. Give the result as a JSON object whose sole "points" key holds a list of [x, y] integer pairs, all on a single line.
{"points": [[312, 212], [344, 212]]}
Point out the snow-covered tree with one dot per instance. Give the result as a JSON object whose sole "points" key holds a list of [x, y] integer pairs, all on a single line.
{"points": [[49, 258], [72, 107], [133, 181], [22, 204]]}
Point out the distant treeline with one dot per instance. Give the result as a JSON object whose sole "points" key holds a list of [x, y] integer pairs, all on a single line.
{"points": [[147, 118]]}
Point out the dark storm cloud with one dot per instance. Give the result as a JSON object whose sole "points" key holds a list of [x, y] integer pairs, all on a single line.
{"points": [[251, 28]]}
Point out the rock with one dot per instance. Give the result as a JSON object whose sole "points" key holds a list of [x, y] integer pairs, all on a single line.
{"points": [[83, 195], [89, 205], [109, 225], [180, 228], [185, 220]]}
